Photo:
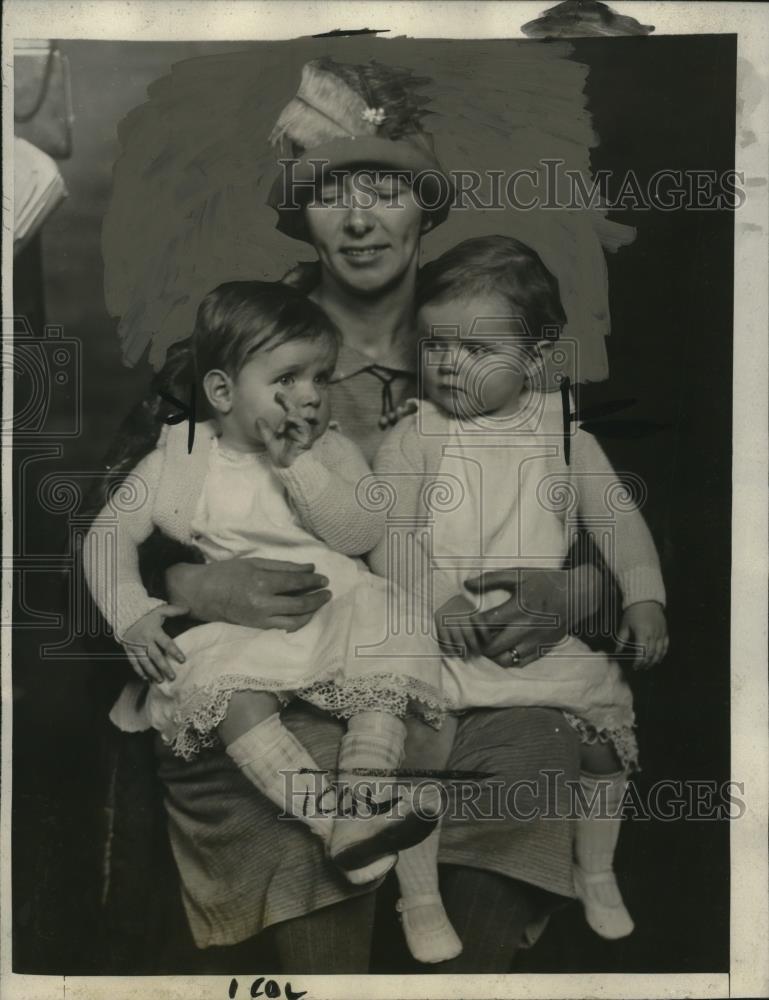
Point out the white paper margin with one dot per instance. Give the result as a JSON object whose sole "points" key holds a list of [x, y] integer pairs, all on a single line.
{"points": [[146, 20]]}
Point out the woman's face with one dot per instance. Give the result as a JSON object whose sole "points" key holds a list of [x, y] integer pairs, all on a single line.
{"points": [[366, 229]]}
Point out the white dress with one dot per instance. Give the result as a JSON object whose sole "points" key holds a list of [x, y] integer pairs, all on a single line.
{"points": [[343, 654], [504, 520]]}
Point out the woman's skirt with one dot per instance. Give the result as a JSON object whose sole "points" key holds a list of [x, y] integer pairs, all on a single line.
{"points": [[242, 869]]}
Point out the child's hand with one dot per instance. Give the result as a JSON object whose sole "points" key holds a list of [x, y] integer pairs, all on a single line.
{"points": [[644, 625], [460, 634], [286, 444], [293, 435], [147, 644]]}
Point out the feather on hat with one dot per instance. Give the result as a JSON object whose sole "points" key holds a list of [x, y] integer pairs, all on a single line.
{"points": [[325, 107]]}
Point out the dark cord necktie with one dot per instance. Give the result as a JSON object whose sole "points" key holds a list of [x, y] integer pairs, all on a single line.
{"points": [[386, 377]]}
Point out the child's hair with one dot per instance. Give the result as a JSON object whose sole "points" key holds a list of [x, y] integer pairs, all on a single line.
{"points": [[501, 265], [233, 321], [239, 318]]}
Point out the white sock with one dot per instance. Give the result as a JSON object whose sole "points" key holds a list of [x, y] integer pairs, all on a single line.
{"points": [[597, 836], [417, 868], [428, 930], [595, 844], [268, 749], [374, 742]]}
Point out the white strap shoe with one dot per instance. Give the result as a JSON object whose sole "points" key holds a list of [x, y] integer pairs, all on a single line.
{"points": [[602, 901], [429, 934]]}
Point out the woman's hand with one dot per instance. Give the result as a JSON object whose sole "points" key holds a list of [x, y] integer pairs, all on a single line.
{"points": [[259, 593], [543, 606], [644, 626], [455, 628], [149, 647]]}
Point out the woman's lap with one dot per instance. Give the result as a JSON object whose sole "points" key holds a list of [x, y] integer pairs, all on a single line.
{"points": [[242, 870], [509, 824]]}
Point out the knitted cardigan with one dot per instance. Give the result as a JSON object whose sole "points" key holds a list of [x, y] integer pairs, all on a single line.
{"points": [[408, 463], [163, 489]]}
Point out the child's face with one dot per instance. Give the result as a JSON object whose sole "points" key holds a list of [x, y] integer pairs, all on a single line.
{"points": [[299, 371], [474, 361]]}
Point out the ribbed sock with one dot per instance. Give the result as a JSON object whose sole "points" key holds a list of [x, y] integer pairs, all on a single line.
{"points": [[373, 741], [597, 836], [417, 867], [365, 843], [268, 749], [428, 930], [595, 844]]}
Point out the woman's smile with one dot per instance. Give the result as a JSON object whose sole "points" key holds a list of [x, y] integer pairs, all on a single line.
{"points": [[362, 255]]}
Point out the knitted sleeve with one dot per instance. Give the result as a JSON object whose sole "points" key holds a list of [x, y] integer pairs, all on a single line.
{"points": [[400, 466], [111, 547], [605, 502], [323, 485]]}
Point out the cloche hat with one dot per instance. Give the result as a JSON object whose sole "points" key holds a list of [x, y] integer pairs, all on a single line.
{"points": [[345, 116]]}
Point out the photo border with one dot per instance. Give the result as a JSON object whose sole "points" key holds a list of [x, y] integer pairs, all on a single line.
{"points": [[223, 20]]}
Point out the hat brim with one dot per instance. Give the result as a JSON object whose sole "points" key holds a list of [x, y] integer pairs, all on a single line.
{"points": [[299, 177]]}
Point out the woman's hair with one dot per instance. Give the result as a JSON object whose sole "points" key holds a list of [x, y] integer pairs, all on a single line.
{"points": [[234, 321], [503, 266]]}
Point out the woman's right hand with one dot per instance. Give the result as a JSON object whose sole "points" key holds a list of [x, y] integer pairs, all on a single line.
{"points": [[258, 593]]}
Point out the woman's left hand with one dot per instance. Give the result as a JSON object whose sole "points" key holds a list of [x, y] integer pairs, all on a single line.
{"points": [[535, 616], [454, 628]]}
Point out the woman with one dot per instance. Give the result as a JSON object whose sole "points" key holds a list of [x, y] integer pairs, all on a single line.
{"points": [[242, 871]]}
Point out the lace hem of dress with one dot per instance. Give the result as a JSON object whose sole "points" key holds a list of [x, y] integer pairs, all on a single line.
{"points": [[622, 738], [394, 694], [202, 712]]}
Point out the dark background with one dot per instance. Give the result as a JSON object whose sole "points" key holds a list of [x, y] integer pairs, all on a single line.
{"points": [[657, 103]]}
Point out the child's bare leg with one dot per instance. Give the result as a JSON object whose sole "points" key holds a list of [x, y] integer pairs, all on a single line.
{"points": [[599, 758], [428, 930], [428, 748], [596, 841], [262, 747], [246, 710]]}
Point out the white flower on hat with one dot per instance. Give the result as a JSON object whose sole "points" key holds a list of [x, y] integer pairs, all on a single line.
{"points": [[374, 115]]}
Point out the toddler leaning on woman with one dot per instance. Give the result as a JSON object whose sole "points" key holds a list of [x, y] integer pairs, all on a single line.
{"points": [[493, 431]]}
